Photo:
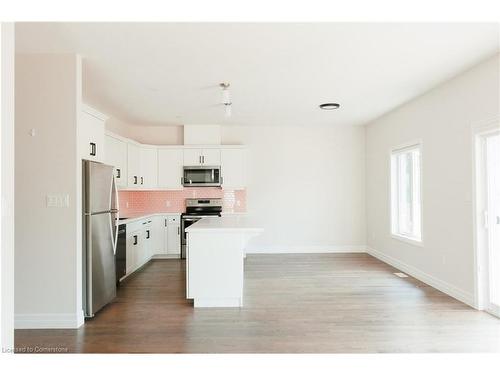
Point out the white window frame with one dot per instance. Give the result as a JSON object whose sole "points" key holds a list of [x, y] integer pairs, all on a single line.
{"points": [[393, 194]]}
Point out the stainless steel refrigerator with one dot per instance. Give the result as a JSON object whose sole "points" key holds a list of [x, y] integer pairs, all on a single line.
{"points": [[100, 214]]}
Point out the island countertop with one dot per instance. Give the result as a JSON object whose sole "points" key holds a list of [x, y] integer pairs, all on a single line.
{"points": [[225, 224]]}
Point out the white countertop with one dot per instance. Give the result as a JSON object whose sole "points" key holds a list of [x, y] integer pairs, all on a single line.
{"points": [[233, 223], [144, 215]]}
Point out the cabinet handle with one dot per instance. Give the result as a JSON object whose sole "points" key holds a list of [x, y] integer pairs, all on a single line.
{"points": [[135, 180], [93, 149], [203, 159], [178, 230], [199, 159], [147, 234], [118, 173], [142, 180], [165, 222], [135, 240]]}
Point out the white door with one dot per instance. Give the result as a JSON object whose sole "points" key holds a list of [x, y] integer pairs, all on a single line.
{"points": [[233, 171], [91, 137], [132, 250], [193, 156], [134, 165], [146, 249], [170, 162], [148, 167], [116, 155], [211, 157], [158, 230], [174, 237], [493, 226]]}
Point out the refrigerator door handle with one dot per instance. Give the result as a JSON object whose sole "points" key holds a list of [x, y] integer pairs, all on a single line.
{"points": [[114, 209]]}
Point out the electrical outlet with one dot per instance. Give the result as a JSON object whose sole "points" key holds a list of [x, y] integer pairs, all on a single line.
{"points": [[126, 204], [168, 204], [57, 200]]}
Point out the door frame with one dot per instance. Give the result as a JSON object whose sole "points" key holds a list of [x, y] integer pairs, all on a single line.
{"points": [[481, 130]]}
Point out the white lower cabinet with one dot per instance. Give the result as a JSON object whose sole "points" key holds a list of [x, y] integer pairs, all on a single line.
{"points": [[155, 235], [173, 231], [158, 236], [134, 243]]}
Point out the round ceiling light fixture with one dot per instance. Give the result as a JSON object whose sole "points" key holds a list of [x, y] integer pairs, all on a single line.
{"points": [[329, 106]]}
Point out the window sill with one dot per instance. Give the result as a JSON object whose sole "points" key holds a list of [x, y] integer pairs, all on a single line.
{"points": [[408, 240]]}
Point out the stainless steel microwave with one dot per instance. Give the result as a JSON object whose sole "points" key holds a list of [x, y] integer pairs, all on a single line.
{"points": [[202, 176]]}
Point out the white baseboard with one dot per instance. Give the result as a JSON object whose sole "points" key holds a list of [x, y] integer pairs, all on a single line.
{"points": [[443, 286], [48, 321], [278, 249]]}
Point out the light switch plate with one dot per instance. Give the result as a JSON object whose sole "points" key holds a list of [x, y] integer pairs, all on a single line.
{"points": [[57, 200]]}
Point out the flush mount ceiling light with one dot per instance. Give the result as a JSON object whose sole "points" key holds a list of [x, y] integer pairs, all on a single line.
{"points": [[329, 106], [226, 98]]}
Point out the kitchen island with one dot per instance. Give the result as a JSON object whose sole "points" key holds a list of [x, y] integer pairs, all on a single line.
{"points": [[215, 254]]}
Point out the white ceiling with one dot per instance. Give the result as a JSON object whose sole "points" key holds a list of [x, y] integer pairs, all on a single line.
{"points": [[168, 73]]}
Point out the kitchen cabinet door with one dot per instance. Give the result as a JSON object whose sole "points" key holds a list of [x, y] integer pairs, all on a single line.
{"points": [[91, 137], [211, 157], [116, 155], [134, 242], [174, 235], [147, 248], [148, 167], [193, 156], [158, 236], [170, 163], [233, 168], [133, 165]]}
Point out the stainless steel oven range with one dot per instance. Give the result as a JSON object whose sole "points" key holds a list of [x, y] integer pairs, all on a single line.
{"points": [[197, 209]]}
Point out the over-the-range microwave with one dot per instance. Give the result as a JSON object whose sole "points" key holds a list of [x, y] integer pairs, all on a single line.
{"points": [[201, 176]]}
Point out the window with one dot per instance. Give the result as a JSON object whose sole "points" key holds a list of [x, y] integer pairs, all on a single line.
{"points": [[406, 219]]}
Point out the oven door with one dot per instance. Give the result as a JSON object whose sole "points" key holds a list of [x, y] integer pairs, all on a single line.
{"points": [[201, 176]]}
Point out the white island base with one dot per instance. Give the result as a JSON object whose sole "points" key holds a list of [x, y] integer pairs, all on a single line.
{"points": [[214, 260]]}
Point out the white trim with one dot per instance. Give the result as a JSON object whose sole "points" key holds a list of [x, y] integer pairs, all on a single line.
{"points": [[441, 285], [7, 191], [48, 321], [480, 129], [403, 147], [408, 240], [311, 249]]}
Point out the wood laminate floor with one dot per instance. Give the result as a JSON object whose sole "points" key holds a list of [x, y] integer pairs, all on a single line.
{"points": [[294, 303]]}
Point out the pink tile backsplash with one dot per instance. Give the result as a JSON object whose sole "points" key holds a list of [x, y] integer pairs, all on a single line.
{"points": [[153, 201]]}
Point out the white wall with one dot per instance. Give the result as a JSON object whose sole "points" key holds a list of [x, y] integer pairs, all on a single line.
{"points": [[305, 185], [153, 135], [48, 246], [7, 188], [442, 119]]}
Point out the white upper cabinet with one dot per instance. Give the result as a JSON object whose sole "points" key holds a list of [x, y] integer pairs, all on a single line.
{"points": [[133, 165], [170, 163], [233, 168], [193, 156], [199, 156], [91, 134], [148, 167], [116, 155], [211, 156]]}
